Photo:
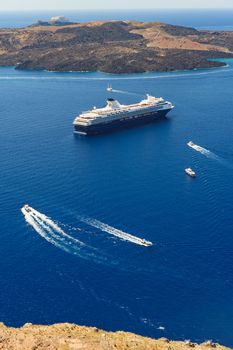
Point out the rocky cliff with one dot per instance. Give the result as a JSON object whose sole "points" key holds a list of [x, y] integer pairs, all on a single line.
{"points": [[72, 337], [114, 47]]}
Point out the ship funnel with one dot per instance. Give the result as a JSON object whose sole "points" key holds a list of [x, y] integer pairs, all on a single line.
{"points": [[113, 104]]}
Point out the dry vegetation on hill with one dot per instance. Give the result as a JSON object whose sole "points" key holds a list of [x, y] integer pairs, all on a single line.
{"points": [[114, 47], [71, 337]]}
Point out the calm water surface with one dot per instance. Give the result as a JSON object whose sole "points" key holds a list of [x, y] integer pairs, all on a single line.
{"points": [[204, 18], [132, 180]]}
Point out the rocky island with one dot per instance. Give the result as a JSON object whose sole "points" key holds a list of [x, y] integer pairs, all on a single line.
{"points": [[69, 336], [113, 47]]}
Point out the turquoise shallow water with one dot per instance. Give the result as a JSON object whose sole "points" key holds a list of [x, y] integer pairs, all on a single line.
{"points": [[132, 180]]}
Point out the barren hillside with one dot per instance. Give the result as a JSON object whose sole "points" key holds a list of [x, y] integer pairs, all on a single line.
{"points": [[114, 47]]}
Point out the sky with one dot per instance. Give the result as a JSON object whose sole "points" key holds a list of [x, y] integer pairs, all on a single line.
{"points": [[110, 4]]}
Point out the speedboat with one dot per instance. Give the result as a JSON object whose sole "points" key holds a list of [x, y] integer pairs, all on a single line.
{"points": [[196, 147], [109, 88], [190, 172], [146, 243], [191, 144], [27, 208]]}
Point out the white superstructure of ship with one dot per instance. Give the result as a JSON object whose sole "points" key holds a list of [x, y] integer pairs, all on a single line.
{"points": [[115, 115]]}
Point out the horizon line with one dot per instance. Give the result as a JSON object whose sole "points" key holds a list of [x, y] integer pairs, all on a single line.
{"points": [[119, 9]]}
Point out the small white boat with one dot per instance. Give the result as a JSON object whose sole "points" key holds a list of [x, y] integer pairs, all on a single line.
{"points": [[109, 88], [191, 144], [146, 243], [190, 172], [27, 208], [194, 146]]}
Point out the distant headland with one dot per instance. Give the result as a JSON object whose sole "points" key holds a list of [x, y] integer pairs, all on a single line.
{"points": [[112, 46]]}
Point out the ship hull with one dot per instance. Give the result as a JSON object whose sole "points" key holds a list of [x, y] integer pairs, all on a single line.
{"points": [[120, 124]]}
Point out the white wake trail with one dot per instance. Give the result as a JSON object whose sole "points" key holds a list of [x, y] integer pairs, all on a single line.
{"points": [[115, 232], [210, 155], [127, 92], [46, 227], [203, 151], [53, 234], [42, 232], [50, 223]]}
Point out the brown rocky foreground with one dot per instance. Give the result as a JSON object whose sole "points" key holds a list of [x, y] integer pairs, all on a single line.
{"points": [[72, 337], [113, 47]]}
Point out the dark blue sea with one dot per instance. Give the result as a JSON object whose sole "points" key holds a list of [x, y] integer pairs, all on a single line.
{"points": [[58, 268]]}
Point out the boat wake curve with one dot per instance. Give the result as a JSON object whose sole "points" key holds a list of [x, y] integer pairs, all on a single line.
{"points": [[52, 233], [54, 227], [44, 232]]}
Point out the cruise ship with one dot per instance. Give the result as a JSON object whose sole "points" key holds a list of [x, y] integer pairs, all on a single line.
{"points": [[115, 116]]}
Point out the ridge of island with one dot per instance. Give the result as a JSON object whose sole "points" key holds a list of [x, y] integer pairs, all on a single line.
{"points": [[113, 47]]}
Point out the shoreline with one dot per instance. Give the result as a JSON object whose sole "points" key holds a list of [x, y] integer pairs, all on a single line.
{"points": [[117, 76], [223, 65]]}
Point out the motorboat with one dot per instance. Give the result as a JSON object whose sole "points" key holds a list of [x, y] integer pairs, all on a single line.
{"points": [[190, 172], [109, 88], [146, 243], [191, 144], [27, 208], [194, 146]]}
